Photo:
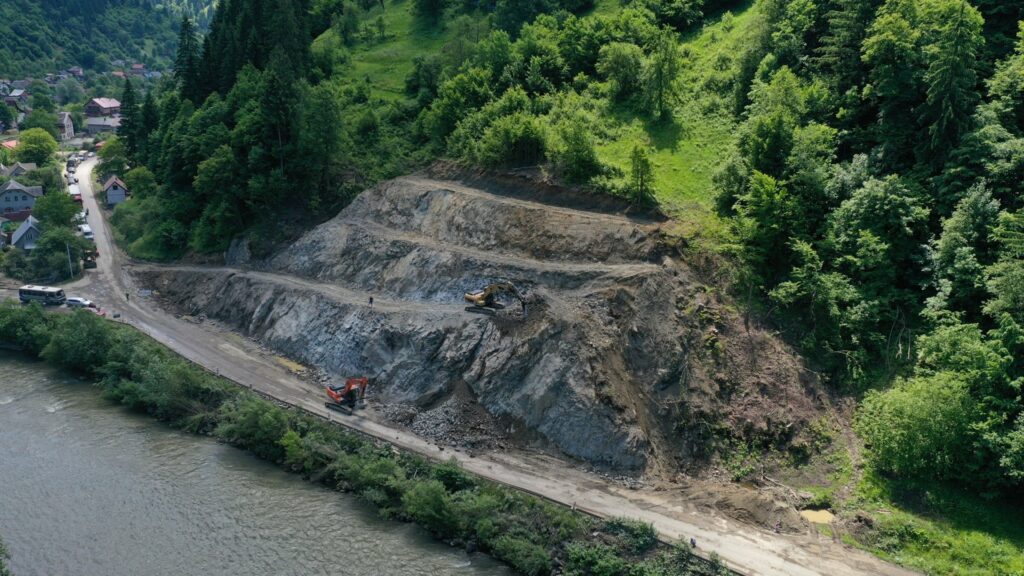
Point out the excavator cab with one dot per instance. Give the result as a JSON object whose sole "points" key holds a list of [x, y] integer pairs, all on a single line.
{"points": [[486, 299], [347, 397]]}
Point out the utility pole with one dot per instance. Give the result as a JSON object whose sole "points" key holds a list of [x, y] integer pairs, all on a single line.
{"points": [[71, 273]]}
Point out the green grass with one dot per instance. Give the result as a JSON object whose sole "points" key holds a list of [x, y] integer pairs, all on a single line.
{"points": [[387, 63], [689, 148], [942, 530]]}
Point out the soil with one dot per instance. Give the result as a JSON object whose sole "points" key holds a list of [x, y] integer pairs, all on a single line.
{"points": [[624, 360]]}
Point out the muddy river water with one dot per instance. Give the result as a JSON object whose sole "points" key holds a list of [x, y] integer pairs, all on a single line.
{"points": [[89, 489]]}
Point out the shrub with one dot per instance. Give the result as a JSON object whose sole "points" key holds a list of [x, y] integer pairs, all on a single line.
{"points": [[638, 536], [524, 556], [79, 341], [430, 505], [594, 560], [515, 140], [254, 424]]}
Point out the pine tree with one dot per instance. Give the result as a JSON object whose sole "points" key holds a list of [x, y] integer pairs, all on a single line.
{"points": [[641, 176], [839, 52], [131, 124], [952, 79], [186, 64]]}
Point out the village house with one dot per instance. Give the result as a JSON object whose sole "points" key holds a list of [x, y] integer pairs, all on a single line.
{"points": [[76, 71], [105, 124], [15, 170], [138, 70], [16, 199], [116, 191], [18, 98], [26, 236], [102, 107], [65, 127]]}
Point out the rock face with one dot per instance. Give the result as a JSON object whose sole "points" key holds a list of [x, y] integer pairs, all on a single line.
{"points": [[623, 359]]}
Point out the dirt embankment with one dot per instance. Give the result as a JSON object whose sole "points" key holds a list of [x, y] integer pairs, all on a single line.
{"points": [[623, 360]]}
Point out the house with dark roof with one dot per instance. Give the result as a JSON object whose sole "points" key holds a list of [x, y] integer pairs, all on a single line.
{"points": [[116, 191], [26, 236], [102, 107], [18, 98], [15, 170], [15, 198], [102, 124]]}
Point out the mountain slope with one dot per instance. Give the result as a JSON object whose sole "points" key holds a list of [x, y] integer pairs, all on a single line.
{"points": [[42, 36]]}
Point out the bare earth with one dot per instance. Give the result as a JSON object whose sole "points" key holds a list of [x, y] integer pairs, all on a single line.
{"points": [[671, 507]]}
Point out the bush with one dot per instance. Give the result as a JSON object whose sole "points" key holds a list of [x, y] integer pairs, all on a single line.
{"points": [[920, 427], [638, 536], [254, 424], [79, 341], [594, 560], [429, 504], [524, 556], [511, 141]]}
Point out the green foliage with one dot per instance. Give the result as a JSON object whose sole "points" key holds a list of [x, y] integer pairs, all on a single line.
{"points": [[55, 210], [43, 36], [920, 427], [4, 557], [37, 146], [79, 343], [641, 187], [524, 556]]}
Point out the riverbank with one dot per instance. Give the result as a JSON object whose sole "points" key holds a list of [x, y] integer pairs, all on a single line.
{"points": [[533, 536]]}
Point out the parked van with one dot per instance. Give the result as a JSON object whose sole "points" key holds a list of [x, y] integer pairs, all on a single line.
{"points": [[86, 231]]}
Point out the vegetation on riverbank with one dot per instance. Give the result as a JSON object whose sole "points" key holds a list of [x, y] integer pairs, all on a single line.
{"points": [[530, 534], [4, 557]]}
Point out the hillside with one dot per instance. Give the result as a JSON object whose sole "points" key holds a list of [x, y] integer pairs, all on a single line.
{"points": [[42, 36], [846, 173]]}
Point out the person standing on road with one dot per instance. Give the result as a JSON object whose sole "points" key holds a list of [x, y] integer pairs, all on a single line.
{"points": [[127, 296], [371, 302]]}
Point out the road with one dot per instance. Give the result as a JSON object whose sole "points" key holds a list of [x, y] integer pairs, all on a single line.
{"points": [[743, 548]]}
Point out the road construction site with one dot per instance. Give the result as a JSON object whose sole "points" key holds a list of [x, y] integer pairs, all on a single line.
{"points": [[605, 393]]}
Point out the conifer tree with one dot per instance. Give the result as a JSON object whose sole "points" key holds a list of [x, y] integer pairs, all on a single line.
{"points": [[131, 123], [952, 78]]}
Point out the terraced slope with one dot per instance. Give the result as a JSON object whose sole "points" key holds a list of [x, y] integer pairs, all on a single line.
{"points": [[623, 360]]}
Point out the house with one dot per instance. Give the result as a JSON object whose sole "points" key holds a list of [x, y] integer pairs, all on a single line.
{"points": [[26, 236], [106, 124], [15, 198], [18, 98], [15, 170], [76, 71], [116, 191], [65, 128], [102, 107], [118, 74], [3, 235], [138, 69], [9, 144]]}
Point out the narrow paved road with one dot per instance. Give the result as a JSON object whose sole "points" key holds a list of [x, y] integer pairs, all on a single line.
{"points": [[745, 549]]}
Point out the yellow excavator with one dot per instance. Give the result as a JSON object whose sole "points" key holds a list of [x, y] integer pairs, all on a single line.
{"points": [[486, 299]]}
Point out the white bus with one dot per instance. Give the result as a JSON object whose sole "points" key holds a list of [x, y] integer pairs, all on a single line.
{"points": [[45, 295]]}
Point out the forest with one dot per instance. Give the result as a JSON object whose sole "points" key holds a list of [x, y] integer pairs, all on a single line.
{"points": [[863, 184], [45, 36]]}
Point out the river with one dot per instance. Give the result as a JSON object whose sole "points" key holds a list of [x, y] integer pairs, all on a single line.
{"points": [[87, 488]]}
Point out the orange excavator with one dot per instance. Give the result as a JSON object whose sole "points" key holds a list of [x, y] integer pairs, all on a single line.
{"points": [[347, 397]]}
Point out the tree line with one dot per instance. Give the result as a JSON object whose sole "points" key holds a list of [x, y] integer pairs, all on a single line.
{"points": [[875, 191]]}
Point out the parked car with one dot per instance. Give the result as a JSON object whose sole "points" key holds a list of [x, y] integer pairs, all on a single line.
{"points": [[86, 231], [77, 302]]}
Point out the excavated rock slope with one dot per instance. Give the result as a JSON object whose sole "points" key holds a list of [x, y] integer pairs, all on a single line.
{"points": [[623, 360]]}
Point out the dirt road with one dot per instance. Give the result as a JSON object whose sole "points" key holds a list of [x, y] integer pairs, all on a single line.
{"points": [[745, 549]]}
